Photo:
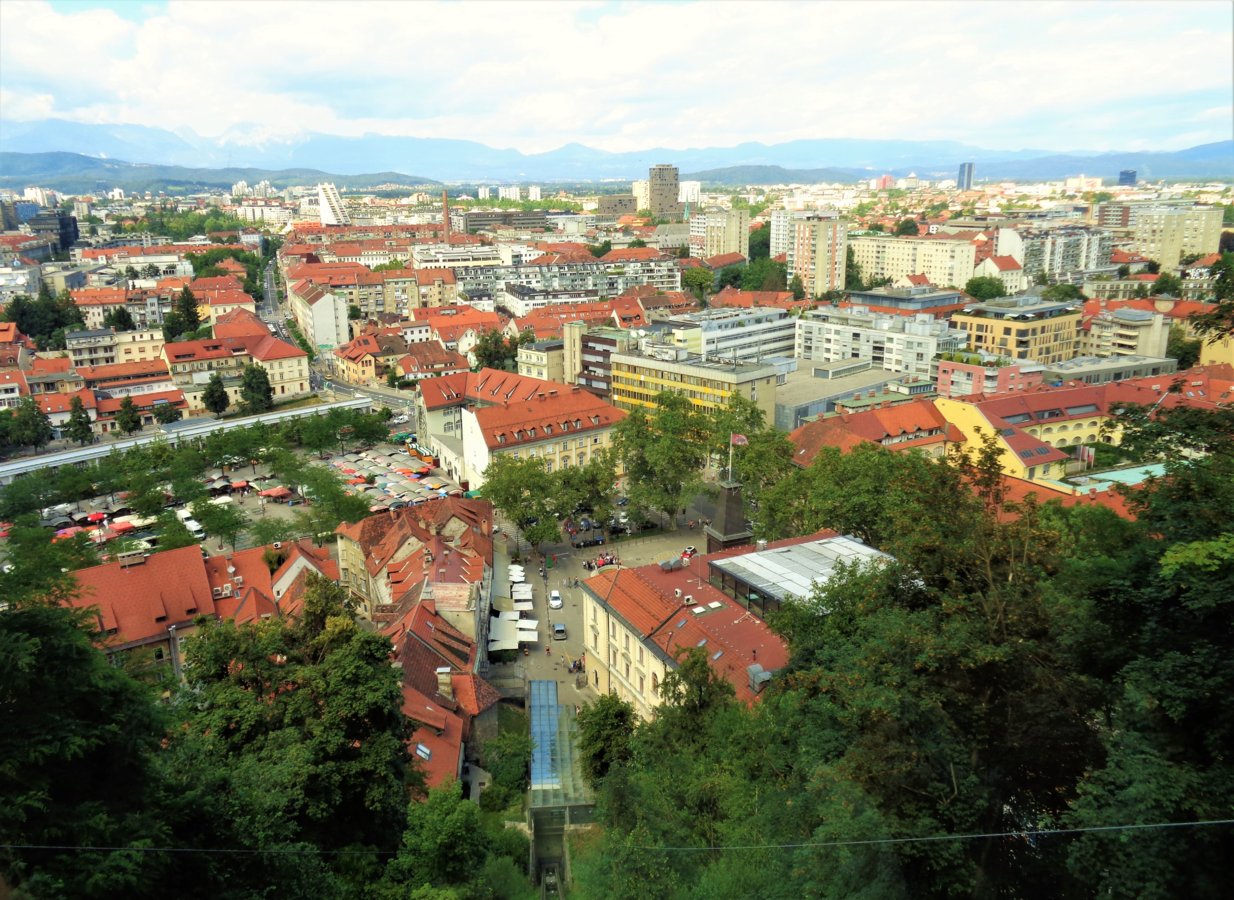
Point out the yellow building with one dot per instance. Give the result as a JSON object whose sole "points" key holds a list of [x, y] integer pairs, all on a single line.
{"points": [[543, 359], [1217, 351], [708, 384], [1020, 454], [1022, 328]]}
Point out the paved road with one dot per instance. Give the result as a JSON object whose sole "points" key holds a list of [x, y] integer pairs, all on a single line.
{"points": [[553, 665]]}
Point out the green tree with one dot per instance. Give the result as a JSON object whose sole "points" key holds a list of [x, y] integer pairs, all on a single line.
{"points": [[762, 275], [906, 228], [1167, 283], [1059, 293], [760, 242], [77, 742], [186, 307], [256, 394], [173, 326], [224, 521], [1182, 348], [78, 427], [444, 843], [128, 419], [1220, 321], [601, 249], [984, 287], [605, 729], [524, 491], [852, 271], [663, 453], [120, 319], [30, 426], [354, 312], [797, 286], [699, 280], [214, 397], [637, 243], [165, 413]]}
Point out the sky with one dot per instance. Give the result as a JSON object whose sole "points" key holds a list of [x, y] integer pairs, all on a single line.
{"points": [[628, 76]]}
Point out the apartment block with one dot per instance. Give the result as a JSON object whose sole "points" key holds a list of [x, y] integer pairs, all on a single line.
{"points": [[1024, 327], [966, 374], [543, 359], [895, 343], [330, 206], [944, 261], [105, 346], [818, 253], [1057, 252], [1125, 332], [1167, 235], [715, 231]]}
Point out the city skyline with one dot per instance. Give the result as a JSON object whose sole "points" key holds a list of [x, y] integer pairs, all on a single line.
{"points": [[1056, 77]]}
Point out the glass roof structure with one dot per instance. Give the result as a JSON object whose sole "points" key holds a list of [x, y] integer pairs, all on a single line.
{"points": [[794, 570], [556, 776]]}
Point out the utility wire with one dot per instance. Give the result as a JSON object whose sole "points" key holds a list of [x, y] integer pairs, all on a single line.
{"points": [[1027, 834]]}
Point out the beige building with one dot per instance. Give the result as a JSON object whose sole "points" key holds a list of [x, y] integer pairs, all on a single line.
{"points": [[543, 359], [715, 231], [564, 429], [1168, 234], [1125, 332], [1025, 327], [818, 253], [103, 346], [947, 263], [708, 384]]}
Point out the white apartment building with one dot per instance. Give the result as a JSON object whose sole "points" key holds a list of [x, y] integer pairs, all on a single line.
{"points": [[714, 231], [15, 280], [818, 253], [1056, 252], [484, 192], [533, 192], [689, 192], [947, 263], [607, 279], [446, 256], [330, 207], [510, 192], [642, 194], [895, 343], [321, 315], [742, 335]]}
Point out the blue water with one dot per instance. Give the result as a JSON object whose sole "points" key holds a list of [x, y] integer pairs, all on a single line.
{"points": [[1132, 476]]}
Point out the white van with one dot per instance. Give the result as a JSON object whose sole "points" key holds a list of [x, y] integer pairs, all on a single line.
{"points": [[184, 514], [195, 529]]}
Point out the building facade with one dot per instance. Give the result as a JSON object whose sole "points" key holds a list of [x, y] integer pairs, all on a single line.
{"points": [[895, 343], [1022, 328], [818, 253], [708, 384]]}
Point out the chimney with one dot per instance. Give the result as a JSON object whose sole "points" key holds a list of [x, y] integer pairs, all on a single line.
{"points": [[445, 218], [443, 683]]}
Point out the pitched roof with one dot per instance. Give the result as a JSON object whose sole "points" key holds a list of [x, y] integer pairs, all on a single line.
{"points": [[724, 260], [1006, 263], [628, 254], [138, 603], [904, 426], [547, 417]]}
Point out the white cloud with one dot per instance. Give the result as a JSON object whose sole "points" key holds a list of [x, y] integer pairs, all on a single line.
{"points": [[628, 76]]}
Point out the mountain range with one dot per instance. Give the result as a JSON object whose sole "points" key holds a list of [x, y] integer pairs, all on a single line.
{"points": [[844, 160]]}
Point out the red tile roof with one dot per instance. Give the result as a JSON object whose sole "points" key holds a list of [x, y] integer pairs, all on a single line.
{"points": [[724, 260], [137, 604], [905, 426], [627, 254], [551, 417]]}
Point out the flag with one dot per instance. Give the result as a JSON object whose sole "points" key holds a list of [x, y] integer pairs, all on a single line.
{"points": [[738, 440]]}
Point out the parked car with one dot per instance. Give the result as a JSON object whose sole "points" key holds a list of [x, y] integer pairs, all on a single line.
{"points": [[554, 600], [559, 632], [591, 540], [689, 552]]}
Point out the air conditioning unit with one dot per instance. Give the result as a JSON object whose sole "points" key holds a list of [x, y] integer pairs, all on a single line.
{"points": [[677, 593], [278, 545]]}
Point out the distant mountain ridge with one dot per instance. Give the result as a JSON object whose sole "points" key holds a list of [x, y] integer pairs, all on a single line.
{"points": [[471, 161], [74, 173]]}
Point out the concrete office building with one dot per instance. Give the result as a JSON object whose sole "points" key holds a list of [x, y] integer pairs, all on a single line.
{"points": [[663, 188], [637, 378], [1126, 178], [818, 253], [742, 335], [895, 343]]}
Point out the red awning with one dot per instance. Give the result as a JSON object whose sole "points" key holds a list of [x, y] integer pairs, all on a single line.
{"points": [[239, 484], [276, 492], [122, 527], [96, 517]]}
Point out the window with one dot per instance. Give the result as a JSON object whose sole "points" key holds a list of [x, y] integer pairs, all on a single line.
{"points": [[655, 683]]}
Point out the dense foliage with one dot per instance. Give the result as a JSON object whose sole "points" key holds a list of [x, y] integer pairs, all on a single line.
{"points": [[1012, 669]]}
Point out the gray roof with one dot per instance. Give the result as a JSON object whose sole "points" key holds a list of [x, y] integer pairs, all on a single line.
{"points": [[795, 570]]}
